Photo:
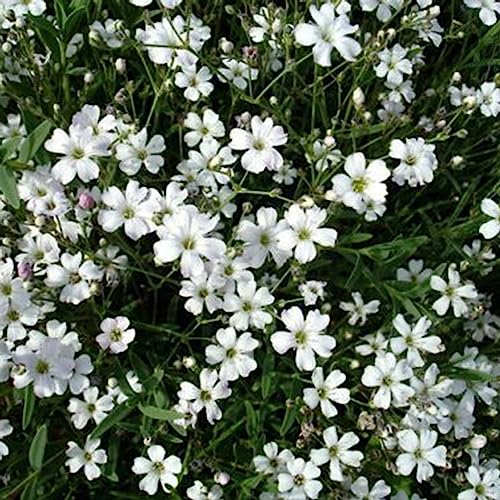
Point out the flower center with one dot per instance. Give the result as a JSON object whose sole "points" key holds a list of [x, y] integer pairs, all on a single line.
{"points": [[158, 467], [411, 159], [205, 395], [77, 153], [299, 480], [301, 337], [188, 244], [304, 234], [115, 335], [42, 367], [359, 185], [128, 213], [265, 240], [247, 307], [259, 144]]}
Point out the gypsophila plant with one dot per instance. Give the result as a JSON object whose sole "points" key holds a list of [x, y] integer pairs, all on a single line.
{"points": [[249, 250]]}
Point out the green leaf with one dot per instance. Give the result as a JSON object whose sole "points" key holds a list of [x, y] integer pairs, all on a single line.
{"points": [[47, 33], [116, 416], [159, 413], [29, 406], [288, 421], [8, 186], [34, 141], [251, 424], [37, 448], [72, 23], [29, 492]]}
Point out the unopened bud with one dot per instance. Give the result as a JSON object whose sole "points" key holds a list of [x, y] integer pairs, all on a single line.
{"points": [[222, 478], [86, 201], [121, 65], [478, 441], [226, 46], [358, 97], [24, 270]]}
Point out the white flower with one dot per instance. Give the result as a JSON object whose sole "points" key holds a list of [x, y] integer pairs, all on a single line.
{"points": [[205, 397], [132, 210], [184, 236], [361, 490], [196, 83], [261, 239], [5, 430], [375, 344], [49, 366], [137, 152], [488, 10], [89, 457], [74, 277], [394, 64], [235, 354], [304, 336], [205, 128], [116, 334], [418, 161], [363, 183], [259, 145], [326, 392], [201, 492], [12, 289], [305, 231], [414, 339], [202, 292], [491, 228], [420, 451], [453, 293], [238, 73], [79, 150], [387, 375], [92, 407], [384, 12], [157, 469], [329, 32], [311, 291], [337, 452], [485, 484], [164, 40], [358, 309], [247, 306], [168, 205], [488, 95], [415, 273], [300, 480], [273, 462]]}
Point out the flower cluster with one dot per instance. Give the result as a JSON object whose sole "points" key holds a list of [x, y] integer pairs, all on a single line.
{"points": [[249, 251]]}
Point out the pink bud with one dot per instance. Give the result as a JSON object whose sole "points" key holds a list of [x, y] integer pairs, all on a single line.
{"points": [[86, 200], [24, 270]]}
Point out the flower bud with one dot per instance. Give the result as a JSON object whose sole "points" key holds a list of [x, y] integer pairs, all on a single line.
{"points": [[121, 65], [358, 97], [222, 478], [24, 270], [86, 201], [478, 441], [456, 77], [226, 46]]}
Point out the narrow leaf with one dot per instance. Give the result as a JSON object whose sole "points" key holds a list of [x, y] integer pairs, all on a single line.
{"points": [[37, 448], [8, 186], [29, 406], [34, 141]]}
